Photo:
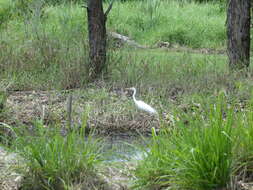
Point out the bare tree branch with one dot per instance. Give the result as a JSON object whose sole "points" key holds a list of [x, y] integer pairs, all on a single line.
{"points": [[109, 8]]}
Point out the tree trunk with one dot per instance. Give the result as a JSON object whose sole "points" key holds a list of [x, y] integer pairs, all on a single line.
{"points": [[238, 33], [97, 37]]}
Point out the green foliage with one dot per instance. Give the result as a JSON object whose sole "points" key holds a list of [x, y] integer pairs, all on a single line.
{"points": [[50, 43], [46, 47], [27, 3], [205, 152], [213, 1], [194, 156], [51, 49], [3, 98], [186, 1], [6, 9], [24, 6], [58, 2], [244, 149], [154, 21], [55, 161], [152, 8], [3, 113]]}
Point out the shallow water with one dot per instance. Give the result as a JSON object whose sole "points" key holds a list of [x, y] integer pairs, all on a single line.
{"points": [[121, 148]]}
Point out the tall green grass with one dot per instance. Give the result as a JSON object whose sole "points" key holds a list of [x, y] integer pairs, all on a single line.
{"points": [[47, 47], [244, 158], [6, 7], [55, 161], [204, 151], [45, 51], [171, 21]]}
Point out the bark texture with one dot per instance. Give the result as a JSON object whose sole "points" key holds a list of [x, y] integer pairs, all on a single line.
{"points": [[238, 33], [97, 37]]}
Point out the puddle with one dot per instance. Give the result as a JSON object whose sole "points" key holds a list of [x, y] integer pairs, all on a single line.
{"points": [[120, 148]]}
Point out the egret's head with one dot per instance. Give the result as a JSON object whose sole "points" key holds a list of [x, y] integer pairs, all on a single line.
{"points": [[132, 89]]}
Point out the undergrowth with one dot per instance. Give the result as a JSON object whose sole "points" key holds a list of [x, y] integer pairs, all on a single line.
{"points": [[54, 161], [207, 150], [44, 47], [149, 22], [47, 47]]}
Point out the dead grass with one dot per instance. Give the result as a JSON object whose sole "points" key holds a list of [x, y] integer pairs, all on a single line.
{"points": [[109, 112]]}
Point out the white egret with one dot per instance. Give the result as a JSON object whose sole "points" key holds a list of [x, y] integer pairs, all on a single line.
{"points": [[142, 105]]}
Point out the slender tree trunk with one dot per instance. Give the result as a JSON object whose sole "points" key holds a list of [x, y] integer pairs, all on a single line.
{"points": [[97, 37], [238, 33]]}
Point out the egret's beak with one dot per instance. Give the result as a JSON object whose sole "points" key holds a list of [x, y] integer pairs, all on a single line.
{"points": [[129, 89]]}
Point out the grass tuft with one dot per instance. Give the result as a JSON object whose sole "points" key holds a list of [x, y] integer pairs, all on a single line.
{"points": [[55, 161], [202, 153]]}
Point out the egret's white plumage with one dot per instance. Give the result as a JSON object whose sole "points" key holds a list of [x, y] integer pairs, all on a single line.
{"points": [[142, 105]]}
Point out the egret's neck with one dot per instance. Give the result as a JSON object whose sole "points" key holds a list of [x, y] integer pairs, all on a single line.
{"points": [[134, 95]]}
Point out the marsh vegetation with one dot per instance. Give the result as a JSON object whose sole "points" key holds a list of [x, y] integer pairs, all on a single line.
{"points": [[203, 138]]}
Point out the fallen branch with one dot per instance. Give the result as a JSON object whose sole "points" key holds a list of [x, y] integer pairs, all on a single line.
{"points": [[125, 39]]}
